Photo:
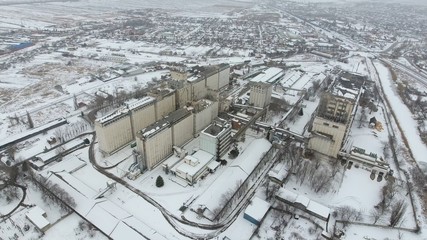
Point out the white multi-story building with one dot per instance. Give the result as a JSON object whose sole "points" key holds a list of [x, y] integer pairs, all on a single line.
{"points": [[155, 142], [204, 112], [165, 102], [199, 85], [216, 138], [114, 130], [142, 112], [260, 94], [119, 128]]}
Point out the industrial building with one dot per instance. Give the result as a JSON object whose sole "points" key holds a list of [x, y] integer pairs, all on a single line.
{"points": [[334, 116], [119, 128], [204, 112], [216, 138], [195, 166], [262, 87], [303, 203], [155, 142], [197, 84], [114, 130]]}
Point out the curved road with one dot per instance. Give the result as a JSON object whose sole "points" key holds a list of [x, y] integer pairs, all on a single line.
{"points": [[172, 219]]}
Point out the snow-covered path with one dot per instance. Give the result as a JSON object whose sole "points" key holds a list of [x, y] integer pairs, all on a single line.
{"points": [[403, 116]]}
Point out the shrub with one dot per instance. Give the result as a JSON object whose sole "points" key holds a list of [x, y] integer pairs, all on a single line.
{"points": [[159, 182]]}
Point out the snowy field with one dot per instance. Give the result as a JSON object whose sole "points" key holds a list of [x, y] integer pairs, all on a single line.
{"points": [[404, 116]]}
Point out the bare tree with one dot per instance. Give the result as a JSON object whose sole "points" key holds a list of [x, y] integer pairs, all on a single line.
{"points": [[10, 193], [363, 117], [397, 212], [11, 150], [376, 213], [347, 214]]}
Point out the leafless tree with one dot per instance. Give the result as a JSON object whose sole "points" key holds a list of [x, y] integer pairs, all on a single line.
{"points": [[386, 150], [389, 191], [347, 214], [10, 193], [363, 117], [376, 213], [335, 167], [321, 181], [418, 177], [397, 212]]}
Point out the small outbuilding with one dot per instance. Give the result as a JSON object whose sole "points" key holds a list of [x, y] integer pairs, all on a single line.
{"points": [[256, 210], [37, 216]]}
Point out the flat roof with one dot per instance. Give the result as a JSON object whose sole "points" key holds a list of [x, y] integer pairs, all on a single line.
{"points": [[35, 215], [303, 200], [286, 195], [167, 121], [138, 103], [268, 76], [318, 209], [257, 208], [201, 157], [123, 111]]}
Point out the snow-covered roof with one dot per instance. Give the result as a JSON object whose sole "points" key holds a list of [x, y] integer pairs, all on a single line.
{"points": [[116, 114], [200, 159], [318, 209], [35, 215], [280, 171], [257, 208], [138, 103], [166, 122], [345, 92], [31, 132], [268, 76], [213, 165], [303, 200], [286, 195]]}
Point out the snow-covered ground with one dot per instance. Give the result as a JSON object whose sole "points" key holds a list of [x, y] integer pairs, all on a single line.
{"points": [[403, 115]]}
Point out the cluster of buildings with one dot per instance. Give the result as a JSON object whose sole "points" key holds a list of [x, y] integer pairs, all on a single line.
{"points": [[335, 114], [262, 86], [171, 117], [333, 120]]}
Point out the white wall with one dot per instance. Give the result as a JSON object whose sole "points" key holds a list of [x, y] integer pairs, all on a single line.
{"points": [[208, 143], [142, 118], [323, 145], [115, 135], [204, 118], [158, 147], [224, 78], [183, 131], [165, 106]]}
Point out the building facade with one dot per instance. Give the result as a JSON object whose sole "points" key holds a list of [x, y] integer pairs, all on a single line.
{"points": [[119, 128], [143, 113], [260, 94], [114, 131], [334, 117], [216, 138], [155, 143]]}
